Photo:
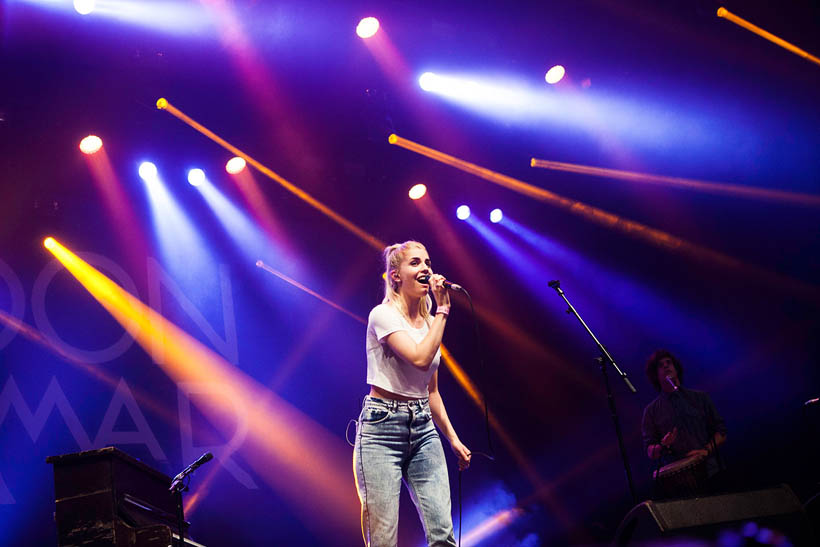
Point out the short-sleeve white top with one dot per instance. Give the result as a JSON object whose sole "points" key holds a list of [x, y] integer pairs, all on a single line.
{"points": [[387, 370]]}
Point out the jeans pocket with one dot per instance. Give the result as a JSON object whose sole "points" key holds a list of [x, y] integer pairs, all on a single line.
{"points": [[372, 415]]}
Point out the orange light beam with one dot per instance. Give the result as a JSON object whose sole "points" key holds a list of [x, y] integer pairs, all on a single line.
{"points": [[604, 218], [707, 186], [726, 14], [163, 104], [311, 292], [295, 455], [491, 525]]}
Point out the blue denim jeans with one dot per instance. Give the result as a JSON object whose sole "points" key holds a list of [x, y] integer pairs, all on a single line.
{"points": [[397, 440]]}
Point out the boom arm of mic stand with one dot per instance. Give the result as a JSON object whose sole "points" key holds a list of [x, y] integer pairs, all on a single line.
{"points": [[604, 353]]}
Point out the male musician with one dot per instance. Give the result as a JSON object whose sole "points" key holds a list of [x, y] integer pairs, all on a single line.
{"points": [[680, 423]]}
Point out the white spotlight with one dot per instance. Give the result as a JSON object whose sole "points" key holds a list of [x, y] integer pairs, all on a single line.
{"points": [[148, 171], [84, 7], [427, 81], [463, 212], [196, 177], [496, 215], [235, 165], [367, 27], [555, 74], [417, 191]]}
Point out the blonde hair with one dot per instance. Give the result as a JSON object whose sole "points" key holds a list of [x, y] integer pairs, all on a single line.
{"points": [[393, 257]]}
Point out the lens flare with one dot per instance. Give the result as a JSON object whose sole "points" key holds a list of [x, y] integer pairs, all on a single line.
{"points": [[235, 165], [196, 177], [90, 144], [555, 74], [84, 7], [496, 215], [463, 212], [417, 191], [148, 171], [367, 27]]}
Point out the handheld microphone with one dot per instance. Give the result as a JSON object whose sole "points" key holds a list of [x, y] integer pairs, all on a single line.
{"points": [[674, 385], [453, 286]]}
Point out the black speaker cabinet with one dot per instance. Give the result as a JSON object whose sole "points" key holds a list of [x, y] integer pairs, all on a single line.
{"points": [[705, 517]]}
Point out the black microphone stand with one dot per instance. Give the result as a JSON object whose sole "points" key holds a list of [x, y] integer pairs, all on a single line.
{"points": [[177, 488], [602, 361], [179, 484]]}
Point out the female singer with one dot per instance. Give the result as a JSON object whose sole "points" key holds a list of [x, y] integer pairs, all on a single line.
{"points": [[395, 435]]}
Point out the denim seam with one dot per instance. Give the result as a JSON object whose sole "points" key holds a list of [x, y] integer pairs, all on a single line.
{"points": [[364, 487]]}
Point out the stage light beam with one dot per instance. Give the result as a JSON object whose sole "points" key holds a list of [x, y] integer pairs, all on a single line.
{"points": [[555, 74], [90, 144], [496, 215], [196, 177], [726, 14], [367, 27], [294, 454], [371, 240], [417, 191], [463, 212], [235, 165]]}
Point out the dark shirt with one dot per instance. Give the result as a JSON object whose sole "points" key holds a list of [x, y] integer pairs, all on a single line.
{"points": [[695, 416]]}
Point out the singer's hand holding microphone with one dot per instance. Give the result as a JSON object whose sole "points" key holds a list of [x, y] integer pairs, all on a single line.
{"points": [[439, 287]]}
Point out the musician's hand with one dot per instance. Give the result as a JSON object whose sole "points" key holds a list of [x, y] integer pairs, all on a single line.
{"points": [[463, 453], [698, 452], [440, 292], [669, 438]]}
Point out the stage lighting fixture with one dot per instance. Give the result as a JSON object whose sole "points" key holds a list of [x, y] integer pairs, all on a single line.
{"points": [[555, 74], [367, 27], [90, 144], [196, 177], [235, 165], [427, 81], [148, 171], [496, 215], [463, 212], [84, 7], [417, 191], [48, 243]]}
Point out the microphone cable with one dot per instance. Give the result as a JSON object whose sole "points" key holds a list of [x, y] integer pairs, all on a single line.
{"points": [[482, 375]]}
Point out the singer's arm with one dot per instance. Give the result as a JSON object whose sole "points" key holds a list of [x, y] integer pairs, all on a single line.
{"points": [[419, 354], [442, 421]]}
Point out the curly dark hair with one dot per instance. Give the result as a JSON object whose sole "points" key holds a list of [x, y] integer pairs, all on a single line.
{"points": [[655, 360]]}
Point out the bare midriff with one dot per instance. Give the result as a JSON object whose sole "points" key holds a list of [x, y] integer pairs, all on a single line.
{"points": [[384, 394]]}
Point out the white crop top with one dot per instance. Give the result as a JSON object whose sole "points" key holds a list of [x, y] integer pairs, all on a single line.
{"points": [[387, 370]]}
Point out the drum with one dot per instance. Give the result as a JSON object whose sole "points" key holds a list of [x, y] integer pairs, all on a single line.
{"points": [[682, 478]]}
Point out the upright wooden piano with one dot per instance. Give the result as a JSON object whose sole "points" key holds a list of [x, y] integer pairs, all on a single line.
{"points": [[106, 497]]}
